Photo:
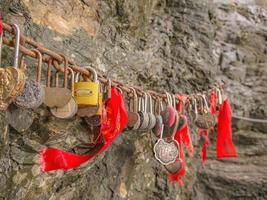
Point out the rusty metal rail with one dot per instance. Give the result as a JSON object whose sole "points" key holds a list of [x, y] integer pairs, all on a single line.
{"points": [[59, 59]]}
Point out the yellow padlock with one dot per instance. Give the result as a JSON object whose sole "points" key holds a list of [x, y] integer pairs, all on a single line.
{"points": [[87, 92]]}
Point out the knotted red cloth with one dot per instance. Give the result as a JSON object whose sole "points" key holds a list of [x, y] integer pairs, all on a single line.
{"points": [[225, 146], [113, 122]]}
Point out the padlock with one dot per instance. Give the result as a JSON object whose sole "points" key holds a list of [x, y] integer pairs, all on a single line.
{"points": [[133, 116], [205, 119], [56, 96], [70, 109], [12, 79], [33, 94], [95, 120], [87, 92]]}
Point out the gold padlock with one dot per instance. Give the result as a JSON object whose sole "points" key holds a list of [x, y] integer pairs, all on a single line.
{"points": [[87, 92]]}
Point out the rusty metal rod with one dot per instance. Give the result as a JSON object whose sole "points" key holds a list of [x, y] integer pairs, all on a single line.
{"points": [[57, 57]]}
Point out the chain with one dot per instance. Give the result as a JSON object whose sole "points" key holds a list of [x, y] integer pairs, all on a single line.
{"points": [[59, 58], [250, 119]]}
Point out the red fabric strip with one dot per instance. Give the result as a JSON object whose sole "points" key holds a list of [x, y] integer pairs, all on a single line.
{"points": [[213, 102], [1, 25], [186, 138], [113, 122], [205, 134], [177, 177], [225, 146], [182, 136]]}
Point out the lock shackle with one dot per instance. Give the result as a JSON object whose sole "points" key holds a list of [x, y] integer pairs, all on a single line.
{"points": [[1, 44], [66, 63], [219, 93], [200, 102], [169, 99], [206, 106], [183, 103], [150, 103], [17, 43], [145, 101], [72, 80], [39, 65], [22, 64], [48, 77], [57, 78], [109, 85], [195, 106], [174, 101], [91, 70], [77, 76], [159, 106], [135, 99]]}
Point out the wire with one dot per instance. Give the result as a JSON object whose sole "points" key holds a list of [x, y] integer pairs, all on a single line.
{"points": [[250, 119]]}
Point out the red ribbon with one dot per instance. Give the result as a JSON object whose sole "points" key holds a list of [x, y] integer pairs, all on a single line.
{"points": [[113, 122], [225, 146]]}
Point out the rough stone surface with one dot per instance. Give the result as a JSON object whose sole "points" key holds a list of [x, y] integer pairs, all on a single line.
{"points": [[180, 46]]}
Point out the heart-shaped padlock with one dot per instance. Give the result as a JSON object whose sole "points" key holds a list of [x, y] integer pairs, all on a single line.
{"points": [[169, 116], [20, 118], [12, 79], [166, 152], [205, 119]]}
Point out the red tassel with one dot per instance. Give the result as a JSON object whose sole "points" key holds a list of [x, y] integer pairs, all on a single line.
{"points": [[177, 177], [225, 145], [114, 122], [186, 138], [1, 25], [182, 136], [205, 134]]}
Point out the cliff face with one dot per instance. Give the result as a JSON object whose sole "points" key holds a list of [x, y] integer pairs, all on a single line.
{"points": [[179, 46]]}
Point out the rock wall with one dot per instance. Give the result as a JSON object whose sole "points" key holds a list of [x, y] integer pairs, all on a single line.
{"points": [[179, 46]]}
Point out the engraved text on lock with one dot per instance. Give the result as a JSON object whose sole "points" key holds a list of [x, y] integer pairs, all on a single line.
{"points": [[84, 92]]}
